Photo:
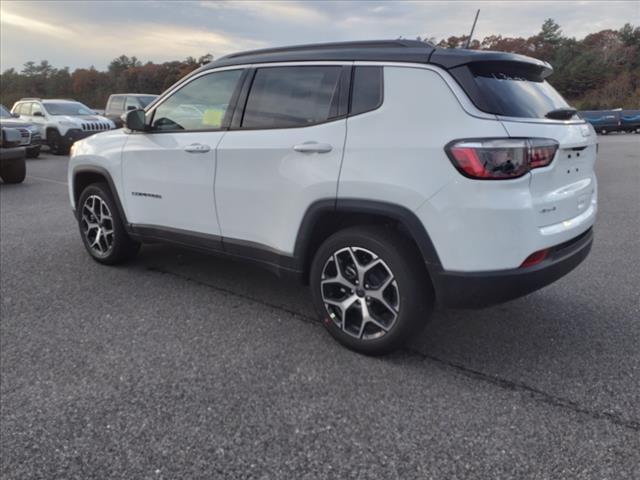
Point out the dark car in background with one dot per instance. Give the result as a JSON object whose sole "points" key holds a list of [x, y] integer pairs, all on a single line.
{"points": [[603, 121], [630, 120], [119, 103], [12, 156], [29, 132]]}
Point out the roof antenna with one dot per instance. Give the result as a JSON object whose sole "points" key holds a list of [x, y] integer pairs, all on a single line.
{"points": [[472, 29]]}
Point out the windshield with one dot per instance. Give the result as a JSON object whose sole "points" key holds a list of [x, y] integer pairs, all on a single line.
{"points": [[515, 96], [4, 113], [67, 108], [144, 101]]}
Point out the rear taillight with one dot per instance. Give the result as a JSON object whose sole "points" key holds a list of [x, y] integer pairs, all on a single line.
{"points": [[503, 158]]}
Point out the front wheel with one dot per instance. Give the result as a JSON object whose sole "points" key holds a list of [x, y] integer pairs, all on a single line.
{"points": [[371, 288], [101, 227]]}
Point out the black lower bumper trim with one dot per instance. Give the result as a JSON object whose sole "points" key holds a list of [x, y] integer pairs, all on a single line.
{"points": [[73, 135], [482, 289]]}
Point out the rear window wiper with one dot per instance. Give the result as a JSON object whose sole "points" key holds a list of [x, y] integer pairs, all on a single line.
{"points": [[561, 113]]}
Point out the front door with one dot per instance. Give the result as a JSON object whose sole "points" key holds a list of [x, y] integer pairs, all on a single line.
{"points": [[169, 171]]}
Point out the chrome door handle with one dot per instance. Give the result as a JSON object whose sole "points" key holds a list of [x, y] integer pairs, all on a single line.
{"points": [[197, 148], [313, 147]]}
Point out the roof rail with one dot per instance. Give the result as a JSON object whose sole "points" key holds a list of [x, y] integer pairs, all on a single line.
{"points": [[334, 46], [29, 98]]}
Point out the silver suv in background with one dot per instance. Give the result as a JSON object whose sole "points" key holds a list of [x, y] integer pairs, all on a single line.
{"points": [[61, 121], [120, 103]]}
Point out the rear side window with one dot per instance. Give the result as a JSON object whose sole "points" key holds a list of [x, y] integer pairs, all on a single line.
{"points": [[283, 97], [116, 104], [367, 89], [35, 108]]}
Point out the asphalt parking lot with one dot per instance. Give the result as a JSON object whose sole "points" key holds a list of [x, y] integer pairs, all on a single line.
{"points": [[182, 366]]}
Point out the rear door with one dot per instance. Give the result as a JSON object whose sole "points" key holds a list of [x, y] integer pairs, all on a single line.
{"points": [[284, 154]]}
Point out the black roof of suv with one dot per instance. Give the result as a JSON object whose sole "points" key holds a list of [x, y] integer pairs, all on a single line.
{"points": [[412, 51]]}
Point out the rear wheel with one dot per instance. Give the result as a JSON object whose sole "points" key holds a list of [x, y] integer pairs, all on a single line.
{"points": [[371, 289], [14, 171], [57, 143], [102, 228]]}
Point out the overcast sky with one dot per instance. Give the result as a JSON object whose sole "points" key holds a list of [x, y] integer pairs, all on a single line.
{"points": [[81, 34]]}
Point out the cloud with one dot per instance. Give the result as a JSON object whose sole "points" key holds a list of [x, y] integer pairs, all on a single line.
{"points": [[34, 26], [81, 33], [286, 11]]}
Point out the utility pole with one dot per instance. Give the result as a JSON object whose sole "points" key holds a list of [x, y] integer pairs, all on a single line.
{"points": [[472, 29]]}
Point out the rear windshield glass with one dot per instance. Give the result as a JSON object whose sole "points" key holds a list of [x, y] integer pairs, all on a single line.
{"points": [[514, 96], [4, 113], [67, 108]]}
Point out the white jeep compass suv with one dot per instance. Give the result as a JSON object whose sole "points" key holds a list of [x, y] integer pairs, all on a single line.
{"points": [[386, 174], [61, 122]]}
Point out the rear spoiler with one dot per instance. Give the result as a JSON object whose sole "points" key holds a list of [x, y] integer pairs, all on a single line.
{"points": [[487, 60]]}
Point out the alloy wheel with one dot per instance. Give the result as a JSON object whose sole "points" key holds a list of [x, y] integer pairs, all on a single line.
{"points": [[97, 225], [360, 293]]}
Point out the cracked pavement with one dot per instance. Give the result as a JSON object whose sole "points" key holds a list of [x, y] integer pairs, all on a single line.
{"points": [[182, 365]]}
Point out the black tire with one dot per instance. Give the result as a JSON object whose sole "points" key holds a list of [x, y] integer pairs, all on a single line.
{"points": [[57, 144], [14, 171], [412, 287], [122, 247], [33, 152]]}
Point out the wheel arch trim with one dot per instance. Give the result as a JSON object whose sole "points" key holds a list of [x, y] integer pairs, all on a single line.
{"points": [[103, 172], [398, 213]]}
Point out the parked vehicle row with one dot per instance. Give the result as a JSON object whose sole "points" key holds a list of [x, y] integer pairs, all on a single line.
{"points": [[605, 121], [12, 155], [61, 122], [319, 161]]}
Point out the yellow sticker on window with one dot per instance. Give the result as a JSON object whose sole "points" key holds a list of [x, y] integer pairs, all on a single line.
{"points": [[213, 117]]}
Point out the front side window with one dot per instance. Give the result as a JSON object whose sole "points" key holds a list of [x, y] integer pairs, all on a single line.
{"points": [[24, 109], [67, 108], [282, 97], [200, 105]]}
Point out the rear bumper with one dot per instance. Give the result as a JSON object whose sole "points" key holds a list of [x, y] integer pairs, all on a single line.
{"points": [[481, 289]]}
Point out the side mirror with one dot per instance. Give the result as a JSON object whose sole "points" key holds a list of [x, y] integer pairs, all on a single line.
{"points": [[131, 107], [38, 114], [15, 115], [134, 120]]}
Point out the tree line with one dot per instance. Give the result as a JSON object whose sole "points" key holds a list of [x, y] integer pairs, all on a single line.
{"points": [[601, 71]]}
